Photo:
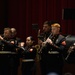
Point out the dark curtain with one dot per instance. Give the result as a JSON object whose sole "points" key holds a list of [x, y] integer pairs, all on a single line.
{"points": [[3, 15], [23, 13]]}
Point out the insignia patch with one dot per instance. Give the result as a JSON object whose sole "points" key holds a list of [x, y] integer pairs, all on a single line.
{"points": [[63, 43], [31, 50], [12, 42]]}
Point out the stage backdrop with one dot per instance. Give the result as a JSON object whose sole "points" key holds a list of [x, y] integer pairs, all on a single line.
{"points": [[21, 14]]}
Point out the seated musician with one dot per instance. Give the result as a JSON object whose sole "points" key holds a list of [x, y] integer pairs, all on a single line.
{"points": [[28, 57], [5, 48], [9, 43]]}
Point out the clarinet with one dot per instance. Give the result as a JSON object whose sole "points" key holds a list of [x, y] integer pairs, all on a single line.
{"points": [[46, 42]]}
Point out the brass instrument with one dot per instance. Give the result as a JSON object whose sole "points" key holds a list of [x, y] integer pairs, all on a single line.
{"points": [[70, 50], [37, 47]]}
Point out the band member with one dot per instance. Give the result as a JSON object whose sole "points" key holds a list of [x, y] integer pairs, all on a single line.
{"points": [[42, 36], [15, 59], [46, 30], [53, 49], [5, 48], [28, 59]]}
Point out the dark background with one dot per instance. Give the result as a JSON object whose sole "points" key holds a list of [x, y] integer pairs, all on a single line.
{"points": [[21, 14]]}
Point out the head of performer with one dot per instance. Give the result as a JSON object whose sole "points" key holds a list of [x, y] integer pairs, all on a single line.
{"points": [[29, 41], [55, 28], [7, 33], [46, 27], [14, 32]]}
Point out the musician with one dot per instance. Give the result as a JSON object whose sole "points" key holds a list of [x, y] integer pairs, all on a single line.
{"points": [[53, 49], [5, 46], [46, 30], [41, 38], [14, 39], [6, 36], [15, 59], [28, 57]]}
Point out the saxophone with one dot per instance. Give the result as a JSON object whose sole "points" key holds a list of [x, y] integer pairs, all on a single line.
{"points": [[37, 47]]}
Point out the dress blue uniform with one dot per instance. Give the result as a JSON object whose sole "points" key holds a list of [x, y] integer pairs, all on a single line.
{"points": [[28, 60]]}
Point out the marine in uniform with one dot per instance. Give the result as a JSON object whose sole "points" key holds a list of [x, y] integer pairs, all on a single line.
{"points": [[5, 52], [28, 57], [42, 36], [53, 49], [15, 58]]}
